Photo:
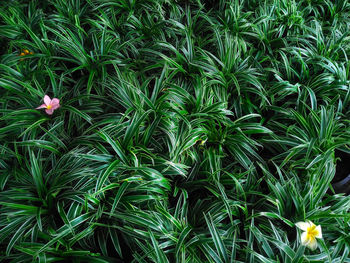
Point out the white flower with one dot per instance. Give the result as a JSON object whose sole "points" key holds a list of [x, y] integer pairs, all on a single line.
{"points": [[308, 238]]}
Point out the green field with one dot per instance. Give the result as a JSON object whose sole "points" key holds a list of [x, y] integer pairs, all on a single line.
{"points": [[179, 131]]}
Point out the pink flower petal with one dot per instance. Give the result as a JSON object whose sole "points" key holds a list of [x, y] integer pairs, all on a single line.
{"points": [[49, 111], [55, 107], [47, 100], [55, 103], [42, 106]]}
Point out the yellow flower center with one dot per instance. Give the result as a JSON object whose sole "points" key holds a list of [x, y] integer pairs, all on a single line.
{"points": [[48, 107], [312, 232]]}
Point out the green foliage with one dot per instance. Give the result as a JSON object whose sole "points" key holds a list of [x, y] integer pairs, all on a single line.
{"points": [[189, 131]]}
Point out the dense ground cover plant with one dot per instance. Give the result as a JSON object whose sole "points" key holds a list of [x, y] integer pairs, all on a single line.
{"points": [[185, 131]]}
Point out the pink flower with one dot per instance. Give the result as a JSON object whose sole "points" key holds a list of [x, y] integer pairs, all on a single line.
{"points": [[50, 105]]}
